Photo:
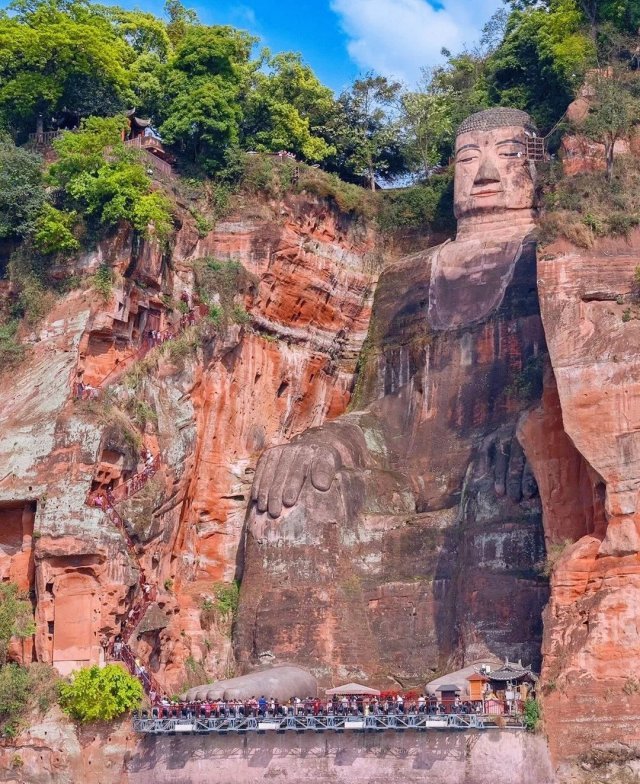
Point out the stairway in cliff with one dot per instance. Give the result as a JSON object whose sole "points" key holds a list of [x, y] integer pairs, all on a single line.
{"points": [[120, 650]]}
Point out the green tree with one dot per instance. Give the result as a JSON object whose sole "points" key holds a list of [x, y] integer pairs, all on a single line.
{"points": [[366, 132], [60, 58], [427, 125], [152, 48], [100, 694], [541, 61], [180, 19], [53, 231], [209, 73], [532, 714], [105, 182], [613, 113], [288, 108], [23, 689], [16, 617], [22, 193], [203, 119]]}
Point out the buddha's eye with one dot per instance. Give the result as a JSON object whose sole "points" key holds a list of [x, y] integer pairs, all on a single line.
{"points": [[511, 153], [467, 159]]}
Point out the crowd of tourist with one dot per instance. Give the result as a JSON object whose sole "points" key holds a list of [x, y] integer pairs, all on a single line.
{"points": [[263, 707]]}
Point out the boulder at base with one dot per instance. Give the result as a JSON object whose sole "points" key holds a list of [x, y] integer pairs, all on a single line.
{"points": [[280, 682]]}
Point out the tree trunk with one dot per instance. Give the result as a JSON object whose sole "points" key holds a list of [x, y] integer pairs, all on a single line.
{"points": [[608, 151]]}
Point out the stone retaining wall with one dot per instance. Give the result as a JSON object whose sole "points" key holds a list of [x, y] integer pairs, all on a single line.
{"points": [[481, 757]]}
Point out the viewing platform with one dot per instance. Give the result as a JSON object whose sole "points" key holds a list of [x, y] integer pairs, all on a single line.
{"points": [[419, 722]]}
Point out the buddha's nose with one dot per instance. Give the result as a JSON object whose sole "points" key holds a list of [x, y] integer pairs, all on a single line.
{"points": [[487, 173]]}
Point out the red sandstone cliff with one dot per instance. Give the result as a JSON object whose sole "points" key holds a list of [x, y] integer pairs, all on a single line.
{"points": [[205, 404], [290, 367], [584, 441]]}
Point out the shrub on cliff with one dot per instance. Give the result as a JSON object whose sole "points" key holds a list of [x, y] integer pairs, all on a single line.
{"points": [[14, 695], [94, 694], [24, 690], [532, 714], [589, 205], [427, 204], [16, 617], [11, 351]]}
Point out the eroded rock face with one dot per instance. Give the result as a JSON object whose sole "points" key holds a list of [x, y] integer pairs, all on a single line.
{"points": [[212, 410], [592, 645], [405, 534]]}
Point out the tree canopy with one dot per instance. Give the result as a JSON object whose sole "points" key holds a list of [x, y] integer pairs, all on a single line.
{"points": [[211, 92], [100, 694]]}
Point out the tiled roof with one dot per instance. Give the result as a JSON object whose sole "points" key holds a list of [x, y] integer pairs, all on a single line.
{"points": [[511, 672]]}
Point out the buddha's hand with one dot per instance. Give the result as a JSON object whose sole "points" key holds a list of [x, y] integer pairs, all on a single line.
{"points": [[282, 472], [504, 460]]}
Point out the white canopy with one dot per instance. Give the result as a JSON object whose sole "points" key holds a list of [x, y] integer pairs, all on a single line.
{"points": [[355, 689]]}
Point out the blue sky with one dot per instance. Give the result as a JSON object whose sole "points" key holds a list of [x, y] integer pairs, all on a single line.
{"points": [[342, 38]]}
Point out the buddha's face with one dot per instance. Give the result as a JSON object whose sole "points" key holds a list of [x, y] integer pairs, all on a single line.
{"points": [[492, 174]]}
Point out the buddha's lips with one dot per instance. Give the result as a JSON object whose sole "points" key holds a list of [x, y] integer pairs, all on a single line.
{"points": [[486, 193]]}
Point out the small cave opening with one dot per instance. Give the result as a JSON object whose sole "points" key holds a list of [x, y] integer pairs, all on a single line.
{"points": [[17, 519], [282, 388]]}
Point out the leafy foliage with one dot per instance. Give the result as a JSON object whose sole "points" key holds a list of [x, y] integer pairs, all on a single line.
{"points": [[532, 714], [590, 205], [11, 351], [102, 282], [613, 112], [104, 181], [22, 690], [14, 696], [427, 204], [288, 109], [16, 617], [203, 114], [100, 694], [22, 194], [53, 230], [219, 282], [426, 122], [366, 130], [60, 56], [227, 598]]}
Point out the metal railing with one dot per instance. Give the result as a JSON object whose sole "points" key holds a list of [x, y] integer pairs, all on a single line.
{"points": [[43, 138], [535, 148], [420, 722], [134, 483], [146, 145], [122, 652]]}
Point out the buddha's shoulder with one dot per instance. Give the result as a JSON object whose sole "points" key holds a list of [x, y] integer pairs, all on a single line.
{"points": [[410, 270], [402, 293]]}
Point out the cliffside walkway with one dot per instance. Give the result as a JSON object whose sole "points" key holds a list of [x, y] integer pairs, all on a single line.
{"points": [[122, 652], [201, 725], [128, 658], [147, 343]]}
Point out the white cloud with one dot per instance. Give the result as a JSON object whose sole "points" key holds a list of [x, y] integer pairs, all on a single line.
{"points": [[398, 37], [244, 15]]}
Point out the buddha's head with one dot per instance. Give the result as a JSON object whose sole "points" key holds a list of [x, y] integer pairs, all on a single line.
{"points": [[492, 174]]}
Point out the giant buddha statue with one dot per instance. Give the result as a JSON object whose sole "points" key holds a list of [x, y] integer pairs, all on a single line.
{"points": [[405, 535]]}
